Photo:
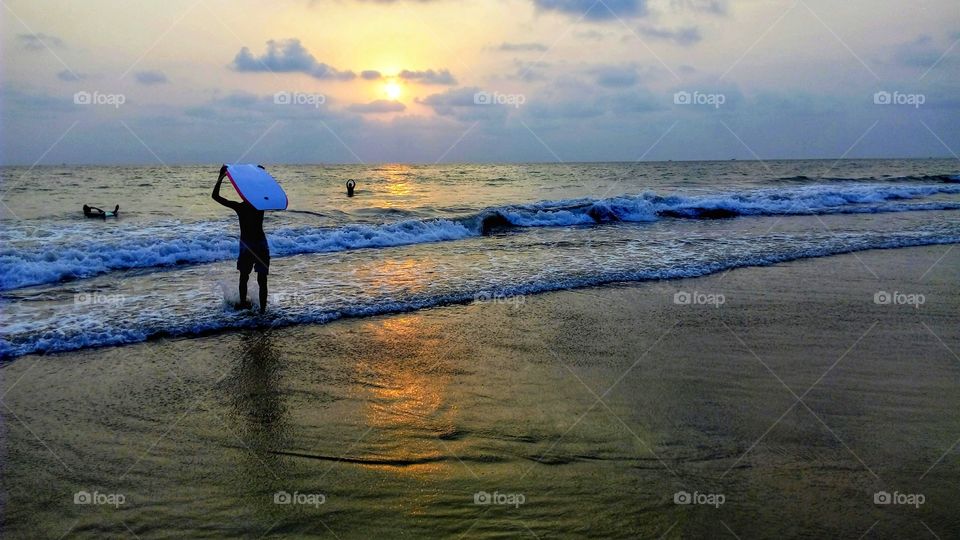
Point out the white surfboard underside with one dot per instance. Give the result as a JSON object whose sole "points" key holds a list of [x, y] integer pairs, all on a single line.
{"points": [[257, 187]]}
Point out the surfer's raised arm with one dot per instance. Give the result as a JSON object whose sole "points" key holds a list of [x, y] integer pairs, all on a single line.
{"points": [[216, 191]]}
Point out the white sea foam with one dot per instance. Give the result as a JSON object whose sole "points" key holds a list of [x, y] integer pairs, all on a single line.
{"points": [[32, 255]]}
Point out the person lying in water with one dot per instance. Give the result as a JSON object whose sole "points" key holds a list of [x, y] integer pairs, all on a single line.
{"points": [[254, 251], [93, 211]]}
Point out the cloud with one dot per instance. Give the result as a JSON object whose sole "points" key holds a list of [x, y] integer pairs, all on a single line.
{"points": [[226, 107], [37, 42], [244, 107], [290, 56], [919, 52], [241, 100], [634, 102], [429, 76], [572, 108], [612, 10], [592, 34], [943, 96], [795, 103], [529, 71], [150, 77], [70, 76], [716, 7], [624, 75], [573, 102], [684, 37], [922, 52], [615, 76], [455, 97], [29, 103], [522, 47], [376, 107], [287, 56], [462, 104], [594, 10], [631, 122]]}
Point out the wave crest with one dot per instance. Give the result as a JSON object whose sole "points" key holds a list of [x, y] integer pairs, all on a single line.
{"points": [[44, 257]]}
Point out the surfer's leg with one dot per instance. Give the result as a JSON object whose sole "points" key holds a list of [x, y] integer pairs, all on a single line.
{"points": [[262, 282], [244, 266], [243, 287]]}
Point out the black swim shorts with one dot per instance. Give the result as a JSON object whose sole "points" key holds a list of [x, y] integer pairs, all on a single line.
{"points": [[254, 255]]}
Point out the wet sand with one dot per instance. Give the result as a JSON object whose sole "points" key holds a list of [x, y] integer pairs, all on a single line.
{"points": [[582, 413]]}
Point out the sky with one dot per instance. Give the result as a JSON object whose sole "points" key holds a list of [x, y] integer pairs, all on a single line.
{"points": [[425, 81]]}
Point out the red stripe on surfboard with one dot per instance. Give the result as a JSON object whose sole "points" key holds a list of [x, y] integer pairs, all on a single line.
{"points": [[235, 188]]}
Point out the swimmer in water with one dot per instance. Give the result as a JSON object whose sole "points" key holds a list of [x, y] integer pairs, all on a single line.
{"points": [[351, 184], [93, 211]]}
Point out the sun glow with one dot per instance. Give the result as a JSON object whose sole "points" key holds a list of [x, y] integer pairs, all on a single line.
{"points": [[393, 90]]}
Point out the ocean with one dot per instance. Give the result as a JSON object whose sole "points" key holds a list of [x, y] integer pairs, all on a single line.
{"points": [[418, 236]]}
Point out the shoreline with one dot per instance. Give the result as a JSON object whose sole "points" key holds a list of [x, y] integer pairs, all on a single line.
{"points": [[255, 323], [401, 420]]}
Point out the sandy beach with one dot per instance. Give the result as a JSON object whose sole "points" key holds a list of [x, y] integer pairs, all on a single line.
{"points": [[778, 401]]}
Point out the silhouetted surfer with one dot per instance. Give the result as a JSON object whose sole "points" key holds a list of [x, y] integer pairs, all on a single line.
{"points": [[351, 184], [254, 252]]}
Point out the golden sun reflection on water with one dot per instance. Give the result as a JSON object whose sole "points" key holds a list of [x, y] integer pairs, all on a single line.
{"points": [[397, 176], [411, 275], [406, 400]]}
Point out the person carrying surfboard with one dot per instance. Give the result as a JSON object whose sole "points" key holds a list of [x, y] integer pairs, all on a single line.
{"points": [[254, 251]]}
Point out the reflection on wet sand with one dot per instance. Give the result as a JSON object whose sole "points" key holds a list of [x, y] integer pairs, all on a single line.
{"points": [[255, 418], [257, 409], [404, 390]]}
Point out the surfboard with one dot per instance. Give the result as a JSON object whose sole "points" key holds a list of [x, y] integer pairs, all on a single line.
{"points": [[256, 186]]}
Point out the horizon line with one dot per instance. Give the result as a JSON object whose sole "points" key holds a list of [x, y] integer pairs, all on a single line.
{"points": [[428, 163]]}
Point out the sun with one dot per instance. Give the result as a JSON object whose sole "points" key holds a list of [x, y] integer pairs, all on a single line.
{"points": [[393, 90]]}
